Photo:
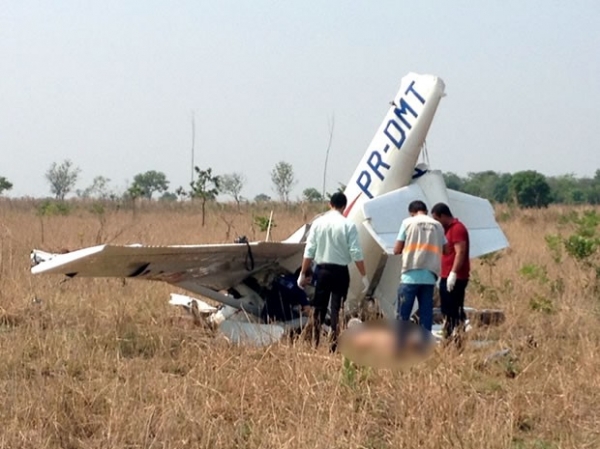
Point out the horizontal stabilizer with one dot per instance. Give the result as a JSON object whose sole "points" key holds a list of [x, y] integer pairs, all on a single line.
{"points": [[384, 215], [477, 214]]}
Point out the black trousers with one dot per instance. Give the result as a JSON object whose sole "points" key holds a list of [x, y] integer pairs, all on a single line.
{"points": [[332, 284], [453, 304]]}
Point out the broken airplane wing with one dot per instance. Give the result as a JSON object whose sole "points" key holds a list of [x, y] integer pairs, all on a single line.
{"points": [[197, 268]]}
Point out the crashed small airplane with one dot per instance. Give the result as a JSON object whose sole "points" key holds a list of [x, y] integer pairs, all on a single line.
{"points": [[238, 275]]}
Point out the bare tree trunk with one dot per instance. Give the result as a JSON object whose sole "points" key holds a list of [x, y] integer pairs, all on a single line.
{"points": [[327, 153]]}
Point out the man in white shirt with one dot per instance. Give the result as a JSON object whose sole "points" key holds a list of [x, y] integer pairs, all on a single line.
{"points": [[333, 244]]}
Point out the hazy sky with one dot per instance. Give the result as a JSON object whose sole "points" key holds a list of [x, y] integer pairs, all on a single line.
{"points": [[112, 85]]}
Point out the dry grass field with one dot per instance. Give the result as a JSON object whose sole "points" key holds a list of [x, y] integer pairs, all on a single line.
{"points": [[102, 363]]}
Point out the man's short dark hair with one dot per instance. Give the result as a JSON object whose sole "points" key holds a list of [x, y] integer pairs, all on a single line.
{"points": [[441, 209], [338, 200], [417, 206]]}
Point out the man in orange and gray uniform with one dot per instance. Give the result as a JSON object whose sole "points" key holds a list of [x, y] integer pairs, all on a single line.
{"points": [[420, 241]]}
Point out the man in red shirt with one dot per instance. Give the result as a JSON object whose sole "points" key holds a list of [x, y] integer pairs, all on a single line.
{"points": [[455, 268]]}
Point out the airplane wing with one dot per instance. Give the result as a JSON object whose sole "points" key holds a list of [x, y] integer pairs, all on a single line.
{"points": [[213, 266], [385, 213]]}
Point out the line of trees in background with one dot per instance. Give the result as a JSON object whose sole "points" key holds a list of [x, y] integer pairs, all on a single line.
{"points": [[525, 188], [528, 188]]}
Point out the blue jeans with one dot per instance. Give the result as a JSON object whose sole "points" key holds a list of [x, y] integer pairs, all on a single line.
{"points": [[406, 299]]}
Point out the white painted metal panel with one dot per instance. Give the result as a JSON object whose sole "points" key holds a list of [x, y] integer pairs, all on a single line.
{"points": [[217, 266]]}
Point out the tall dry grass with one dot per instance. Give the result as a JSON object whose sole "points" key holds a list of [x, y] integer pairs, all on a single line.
{"points": [[101, 363]]}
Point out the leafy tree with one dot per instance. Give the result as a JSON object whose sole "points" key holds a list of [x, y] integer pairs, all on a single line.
{"points": [[263, 223], [502, 188], [261, 198], [168, 196], [593, 190], [4, 184], [149, 182], [453, 181], [480, 184], [233, 184], [488, 184], [530, 189], [593, 194], [134, 191], [99, 189], [206, 187], [567, 189], [62, 178], [283, 179], [312, 195]]}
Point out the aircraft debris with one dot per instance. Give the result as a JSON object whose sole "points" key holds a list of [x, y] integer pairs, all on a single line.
{"points": [[240, 275]]}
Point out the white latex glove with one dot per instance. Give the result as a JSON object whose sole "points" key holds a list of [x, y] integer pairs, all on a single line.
{"points": [[301, 280], [365, 281], [451, 281]]}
